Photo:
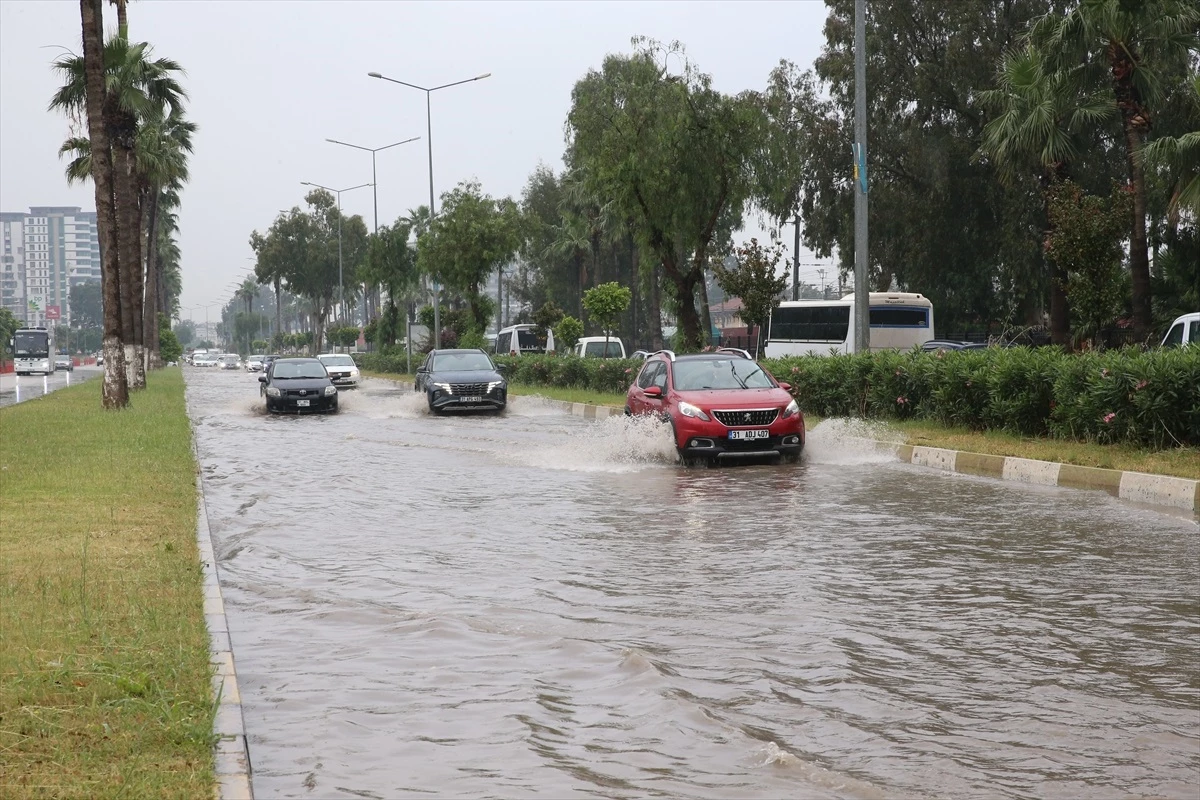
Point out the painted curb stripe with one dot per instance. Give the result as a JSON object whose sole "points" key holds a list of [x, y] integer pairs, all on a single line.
{"points": [[231, 755], [1138, 487]]}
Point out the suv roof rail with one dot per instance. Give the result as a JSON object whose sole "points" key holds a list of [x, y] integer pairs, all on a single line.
{"points": [[735, 351], [670, 354]]}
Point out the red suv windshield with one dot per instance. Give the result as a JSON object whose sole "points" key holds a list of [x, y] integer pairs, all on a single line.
{"points": [[719, 373]]}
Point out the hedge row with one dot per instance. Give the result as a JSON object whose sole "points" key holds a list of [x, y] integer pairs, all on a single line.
{"points": [[1146, 398]]}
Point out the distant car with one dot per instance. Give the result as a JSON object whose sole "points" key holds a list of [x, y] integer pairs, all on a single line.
{"points": [[298, 385], [461, 380], [718, 406], [64, 362], [99, 359], [599, 347], [254, 364], [341, 367], [640, 355], [205, 359], [230, 361]]}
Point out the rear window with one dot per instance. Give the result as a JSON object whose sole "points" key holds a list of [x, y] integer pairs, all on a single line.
{"points": [[899, 317], [598, 349], [528, 340]]}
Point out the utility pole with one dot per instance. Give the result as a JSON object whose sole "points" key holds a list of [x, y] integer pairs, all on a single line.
{"points": [[862, 295], [821, 273], [796, 261]]}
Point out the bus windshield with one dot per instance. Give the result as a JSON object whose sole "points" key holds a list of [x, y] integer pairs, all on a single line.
{"points": [[31, 344]]}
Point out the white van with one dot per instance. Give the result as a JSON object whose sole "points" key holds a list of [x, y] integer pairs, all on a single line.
{"points": [[596, 347], [1184, 331], [522, 340]]}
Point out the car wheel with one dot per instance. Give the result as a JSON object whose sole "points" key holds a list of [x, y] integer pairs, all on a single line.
{"points": [[432, 409], [791, 458], [628, 411]]}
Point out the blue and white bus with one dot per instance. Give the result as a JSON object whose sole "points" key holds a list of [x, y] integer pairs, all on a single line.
{"points": [[33, 351], [898, 320]]}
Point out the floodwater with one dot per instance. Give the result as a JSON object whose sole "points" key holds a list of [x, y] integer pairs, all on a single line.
{"points": [[534, 605]]}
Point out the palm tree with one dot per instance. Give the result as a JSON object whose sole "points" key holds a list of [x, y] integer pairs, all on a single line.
{"points": [[1042, 123], [137, 88], [91, 100], [1130, 45], [572, 238], [1180, 156]]}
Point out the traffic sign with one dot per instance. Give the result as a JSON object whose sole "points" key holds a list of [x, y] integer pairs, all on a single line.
{"points": [[53, 312]]}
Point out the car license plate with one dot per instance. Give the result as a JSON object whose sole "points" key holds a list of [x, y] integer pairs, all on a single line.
{"points": [[302, 403], [761, 433], [471, 399]]}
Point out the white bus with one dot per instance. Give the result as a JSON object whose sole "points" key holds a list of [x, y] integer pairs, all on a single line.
{"points": [[520, 340], [33, 351], [898, 320]]}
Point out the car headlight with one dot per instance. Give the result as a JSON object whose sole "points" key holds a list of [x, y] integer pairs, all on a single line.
{"points": [[354, 372], [689, 410], [330, 391], [791, 410], [272, 391], [445, 387], [492, 386]]}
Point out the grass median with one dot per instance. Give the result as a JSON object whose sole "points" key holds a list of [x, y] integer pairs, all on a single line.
{"points": [[104, 669]]}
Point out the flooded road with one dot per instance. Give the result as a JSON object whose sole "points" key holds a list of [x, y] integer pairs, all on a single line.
{"points": [[19, 388], [535, 605]]}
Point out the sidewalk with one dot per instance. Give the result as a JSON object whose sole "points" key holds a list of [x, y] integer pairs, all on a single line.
{"points": [[1135, 487]]}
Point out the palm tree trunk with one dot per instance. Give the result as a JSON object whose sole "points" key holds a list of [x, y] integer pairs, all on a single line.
{"points": [[114, 391], [150, 312], [1135, 120], [128, 249]]}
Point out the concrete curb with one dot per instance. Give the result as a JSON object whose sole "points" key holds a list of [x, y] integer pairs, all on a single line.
{"points": [[232, 753], [1135, 487]]}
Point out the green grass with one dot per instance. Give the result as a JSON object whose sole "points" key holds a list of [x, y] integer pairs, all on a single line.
{"points": [[104, 667]]}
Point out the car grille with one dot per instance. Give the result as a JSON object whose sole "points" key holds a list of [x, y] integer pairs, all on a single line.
{"points": [[743, 417], [308, 393], [469, 389]]}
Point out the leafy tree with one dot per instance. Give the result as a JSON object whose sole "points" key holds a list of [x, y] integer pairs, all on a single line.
{"points": [[941, 224], [1086, 242], [546, 318], [169, 347], [8, 324], [259, 345], [472, 237], [185, 331], [1044, 123], [567, 333], [669, 153], [1180, 157], [756, 280], [606, 303], [1133, 46], [86, 304], [391, 263]]}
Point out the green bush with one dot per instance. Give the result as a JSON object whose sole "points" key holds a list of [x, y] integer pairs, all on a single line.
{"points": [[393, 362]]}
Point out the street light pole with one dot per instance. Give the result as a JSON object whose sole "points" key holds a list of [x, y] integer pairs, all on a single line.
{"points": [[374, 180], [437, 317], [338, 193]]}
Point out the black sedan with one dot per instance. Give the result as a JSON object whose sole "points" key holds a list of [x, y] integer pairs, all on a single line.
{"points": [[298, 385], [461, 380]]}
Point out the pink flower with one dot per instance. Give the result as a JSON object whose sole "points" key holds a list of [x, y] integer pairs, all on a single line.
{"points": [[795, 370], [1142, 385], [901, 400], [627, 370], [1104, 373], [898, 373], [1109, 417], [968, 383]]}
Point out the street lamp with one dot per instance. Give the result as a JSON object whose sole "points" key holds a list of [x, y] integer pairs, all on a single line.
{"points": [[374, 191], [437, 319], [338, 192]]}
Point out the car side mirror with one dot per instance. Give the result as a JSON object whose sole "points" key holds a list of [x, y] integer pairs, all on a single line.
{"points": [[787, 387], [262, 378], [654, 391], [502, 368]]}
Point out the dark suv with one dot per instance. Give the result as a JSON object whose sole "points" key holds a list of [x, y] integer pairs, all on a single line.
{"points": [[461, 380]]}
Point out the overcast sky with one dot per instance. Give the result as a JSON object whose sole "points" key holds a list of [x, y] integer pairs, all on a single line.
{"points": [[270, 80]]}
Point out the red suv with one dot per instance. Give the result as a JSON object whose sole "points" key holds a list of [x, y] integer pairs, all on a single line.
{"points": [[719, 404]]}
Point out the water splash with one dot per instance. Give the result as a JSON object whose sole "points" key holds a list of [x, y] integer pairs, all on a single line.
{"points": [[851, 441], [615, 444]]}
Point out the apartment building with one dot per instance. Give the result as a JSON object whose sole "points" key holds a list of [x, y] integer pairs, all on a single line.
{"points": [[44, 253]]}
